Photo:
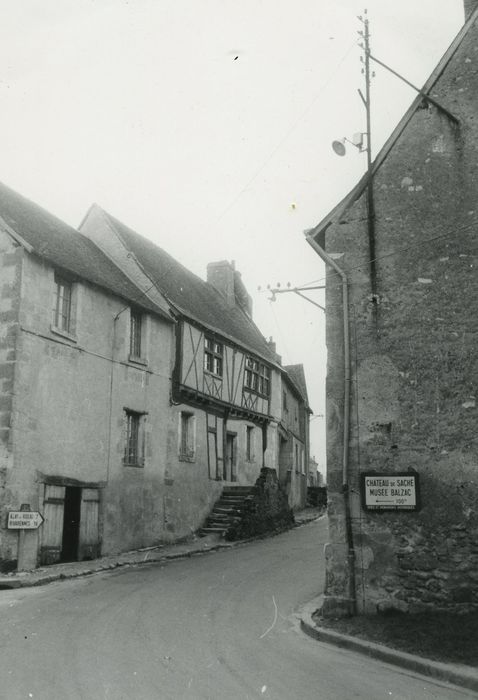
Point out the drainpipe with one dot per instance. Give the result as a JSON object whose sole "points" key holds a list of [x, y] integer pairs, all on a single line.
{"points": [[346, 439]]}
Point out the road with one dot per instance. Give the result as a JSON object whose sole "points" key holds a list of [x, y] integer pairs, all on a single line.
{"points": [[212, 627]]}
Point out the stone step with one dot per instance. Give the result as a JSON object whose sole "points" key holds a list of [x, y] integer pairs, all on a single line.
{"points": [[224, 510], [219, 517], [237, 490], [212, 530], [229, 498]]}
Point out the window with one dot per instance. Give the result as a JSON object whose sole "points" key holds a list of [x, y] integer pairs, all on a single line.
{"points": [[284, 401], [136, 322], [213, 356], [62, 304], [257, 376], [134, 452], [249, 444], [187, 437]]}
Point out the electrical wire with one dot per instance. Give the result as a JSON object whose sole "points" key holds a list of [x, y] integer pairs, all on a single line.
{"points": [[285, 137], [399, 251]]}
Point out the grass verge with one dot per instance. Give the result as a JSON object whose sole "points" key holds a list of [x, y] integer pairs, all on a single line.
{"points": [[439, 636]]}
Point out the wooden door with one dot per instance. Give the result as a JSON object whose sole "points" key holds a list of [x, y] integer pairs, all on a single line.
{"points": [[52, 528], [89, 547]]}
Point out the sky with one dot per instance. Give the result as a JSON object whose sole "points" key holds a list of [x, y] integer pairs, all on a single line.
{"points": [[206, 126]]}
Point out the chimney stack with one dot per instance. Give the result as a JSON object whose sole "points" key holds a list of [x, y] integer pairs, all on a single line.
{"points": [[224, 277], [221, 276], [469, 6]]}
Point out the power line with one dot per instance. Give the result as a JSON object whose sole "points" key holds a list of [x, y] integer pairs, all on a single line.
{"points": [[285, 137], [366, 260]]}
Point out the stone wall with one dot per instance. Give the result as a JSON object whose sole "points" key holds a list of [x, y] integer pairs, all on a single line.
{"points": [[266, 510], [413, 361]]}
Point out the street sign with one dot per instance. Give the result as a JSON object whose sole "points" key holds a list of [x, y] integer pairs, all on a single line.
{"points": [[386, 491], [24, 520]]}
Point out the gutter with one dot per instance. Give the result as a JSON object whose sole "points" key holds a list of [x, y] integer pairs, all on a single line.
{"points": [[346, 417]]}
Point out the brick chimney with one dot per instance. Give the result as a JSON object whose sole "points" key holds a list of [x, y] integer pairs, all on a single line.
{"points": [[272, 348], [223, 276], [469, 6]]}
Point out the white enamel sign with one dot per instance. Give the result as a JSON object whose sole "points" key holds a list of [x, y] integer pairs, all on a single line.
{"points": [[24, 520], [382, 491]]}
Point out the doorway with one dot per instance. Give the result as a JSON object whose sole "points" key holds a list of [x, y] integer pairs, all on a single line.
{"points": [[230, 463], [70, 531], [71, 524]]}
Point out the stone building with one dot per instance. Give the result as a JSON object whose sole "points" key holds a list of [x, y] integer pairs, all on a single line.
{"points": [[294, 435], [402, 363], [131, 390]]}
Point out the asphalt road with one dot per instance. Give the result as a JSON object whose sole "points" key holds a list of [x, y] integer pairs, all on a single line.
{"points": [[218, 626]]}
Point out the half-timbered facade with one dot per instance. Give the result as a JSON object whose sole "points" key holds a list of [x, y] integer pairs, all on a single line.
{"points": [[226, 378], [131, 391]]}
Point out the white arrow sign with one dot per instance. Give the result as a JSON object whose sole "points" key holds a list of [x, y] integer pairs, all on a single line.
{"points": [[24, 520]]}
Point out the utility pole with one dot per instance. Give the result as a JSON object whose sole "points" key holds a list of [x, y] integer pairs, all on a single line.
{"points": [[365, 58]]}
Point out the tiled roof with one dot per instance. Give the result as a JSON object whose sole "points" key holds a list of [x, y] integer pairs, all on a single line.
{"points": [[191, 296], [297, 376], [64, 247]]}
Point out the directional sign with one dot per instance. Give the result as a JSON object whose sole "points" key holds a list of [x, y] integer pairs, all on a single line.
{"points": [[24, 520], [386, 491]]}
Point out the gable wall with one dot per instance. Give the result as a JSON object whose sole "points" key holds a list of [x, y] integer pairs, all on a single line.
{"points": [[414, 363]]}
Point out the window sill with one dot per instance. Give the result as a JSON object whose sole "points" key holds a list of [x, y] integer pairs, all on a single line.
{"points": [[133, 465], [64, 334], [213, 374], [256, 393], [137, 360]]}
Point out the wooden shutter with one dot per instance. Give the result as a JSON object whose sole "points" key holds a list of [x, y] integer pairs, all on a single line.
{"points": [[52, 528], [89, 547]]}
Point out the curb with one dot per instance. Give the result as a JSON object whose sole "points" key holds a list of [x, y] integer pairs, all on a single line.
{"points": [[461, 676]]}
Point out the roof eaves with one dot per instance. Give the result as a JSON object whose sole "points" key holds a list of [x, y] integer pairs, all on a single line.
{"points": [[16, 236], [337, 212]]}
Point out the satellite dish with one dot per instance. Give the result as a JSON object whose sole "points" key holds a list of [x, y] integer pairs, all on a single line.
{"points": [[338, 147]]}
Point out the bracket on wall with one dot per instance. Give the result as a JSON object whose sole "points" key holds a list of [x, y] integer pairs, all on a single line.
{"points": [[420, 92]]}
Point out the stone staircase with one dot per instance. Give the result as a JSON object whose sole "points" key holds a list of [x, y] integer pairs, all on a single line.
{"points": [[226, 511]]}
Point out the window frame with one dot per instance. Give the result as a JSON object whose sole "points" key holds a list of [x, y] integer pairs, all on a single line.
{"points": [[213, 356], [62, 318], [136, 326], [134, 438], [257, 377]]}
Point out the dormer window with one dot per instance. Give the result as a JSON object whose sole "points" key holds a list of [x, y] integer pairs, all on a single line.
{"points": [[213, 355]]}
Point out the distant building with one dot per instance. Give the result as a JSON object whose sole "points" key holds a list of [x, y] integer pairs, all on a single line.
{"points": [[402, 361], [294, 435], [313, 476]]}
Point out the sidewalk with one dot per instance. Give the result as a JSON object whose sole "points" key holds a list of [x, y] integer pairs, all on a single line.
{"points": [[191, 547], [456, 674]]}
